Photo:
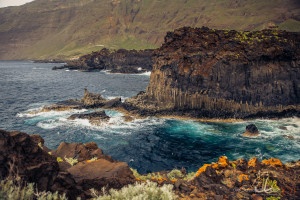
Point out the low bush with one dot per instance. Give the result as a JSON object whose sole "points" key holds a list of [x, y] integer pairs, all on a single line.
{"points": [[139, 191]]}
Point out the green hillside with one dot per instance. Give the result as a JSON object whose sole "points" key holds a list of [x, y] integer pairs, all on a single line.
{"points": [[69, 28]]}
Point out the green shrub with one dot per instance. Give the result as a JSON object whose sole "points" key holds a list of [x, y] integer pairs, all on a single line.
{"points": [[139, 191], [10, 190], [175, 174]]}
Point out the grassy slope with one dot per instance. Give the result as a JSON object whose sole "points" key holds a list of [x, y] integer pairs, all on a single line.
{"points": [[66, 28]]}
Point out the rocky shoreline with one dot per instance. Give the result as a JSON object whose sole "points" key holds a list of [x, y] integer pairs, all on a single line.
{"points": [[208, 73], [119, 61], [75, 168]]}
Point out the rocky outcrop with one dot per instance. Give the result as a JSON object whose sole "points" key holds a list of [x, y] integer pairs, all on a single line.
{"points": [[120, 61], [72, 169], [219, 73], [21, 157], [95, 118], [79, 151], [89, 100], [102, 173]]}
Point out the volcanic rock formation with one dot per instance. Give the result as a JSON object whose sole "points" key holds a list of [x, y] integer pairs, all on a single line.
{"points": [[21, 156], [219, 73], [120, 61]]}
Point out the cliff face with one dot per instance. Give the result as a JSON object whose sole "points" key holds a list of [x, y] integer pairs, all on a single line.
{"points": [[227, 72], [120, 61]]}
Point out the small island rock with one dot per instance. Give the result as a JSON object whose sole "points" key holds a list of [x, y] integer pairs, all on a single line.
{"points": [[251, 131]]}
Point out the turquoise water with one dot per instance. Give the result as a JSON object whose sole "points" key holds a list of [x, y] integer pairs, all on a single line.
{"points": [[149, 144]]}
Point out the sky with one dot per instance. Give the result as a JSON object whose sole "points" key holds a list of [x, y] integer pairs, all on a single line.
{"points": [[5, 3]]}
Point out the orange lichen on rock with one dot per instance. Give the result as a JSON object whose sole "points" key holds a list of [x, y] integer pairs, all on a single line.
{"points": [[274, 162], [253, 162], [223, 161], [243, 177], [214, 165], [202, 169]]}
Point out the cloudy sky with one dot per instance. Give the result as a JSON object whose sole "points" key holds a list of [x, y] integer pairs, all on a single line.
{"points": [[5, 3]]}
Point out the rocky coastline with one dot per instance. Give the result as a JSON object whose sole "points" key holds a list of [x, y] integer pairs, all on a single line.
{"points": [[203, 72], [197, 73], [208, 73], [75, 168], [119, 61]]}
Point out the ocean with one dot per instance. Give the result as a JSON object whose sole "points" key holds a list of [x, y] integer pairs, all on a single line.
{"points": [[148, 145]]}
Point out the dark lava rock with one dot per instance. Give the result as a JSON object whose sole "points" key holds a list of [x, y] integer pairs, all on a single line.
{"points": [[119, 61], [21, 156], [95, 118], [251, 131], [202, 72]]}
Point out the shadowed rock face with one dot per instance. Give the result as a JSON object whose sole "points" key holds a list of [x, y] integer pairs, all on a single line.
{"points": [[227, 73], [21, 156]]}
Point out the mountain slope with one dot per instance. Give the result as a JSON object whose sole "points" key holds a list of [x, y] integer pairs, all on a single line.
{"points": [[68, 28]]}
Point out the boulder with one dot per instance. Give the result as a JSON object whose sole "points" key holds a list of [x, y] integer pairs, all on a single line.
{"points": [[102, 173], [251, 131], [78, 151]]}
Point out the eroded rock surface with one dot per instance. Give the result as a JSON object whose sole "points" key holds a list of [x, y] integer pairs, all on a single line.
{"points": [[102, 173]]}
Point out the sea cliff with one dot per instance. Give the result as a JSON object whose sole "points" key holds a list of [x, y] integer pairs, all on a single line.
{"points": [[204, 72]]}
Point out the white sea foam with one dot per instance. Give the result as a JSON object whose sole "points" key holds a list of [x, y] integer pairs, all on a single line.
{"points": [[38, 68], [123, 98], [34, 112], [287, 127], [55, 119], [146, 73]]}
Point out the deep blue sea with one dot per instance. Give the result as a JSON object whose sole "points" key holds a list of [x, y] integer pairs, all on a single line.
{"points": [[150, 144]]}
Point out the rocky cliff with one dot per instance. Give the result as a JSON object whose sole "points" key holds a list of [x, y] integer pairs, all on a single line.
{"points": [[119, 61], [220, 73]]}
